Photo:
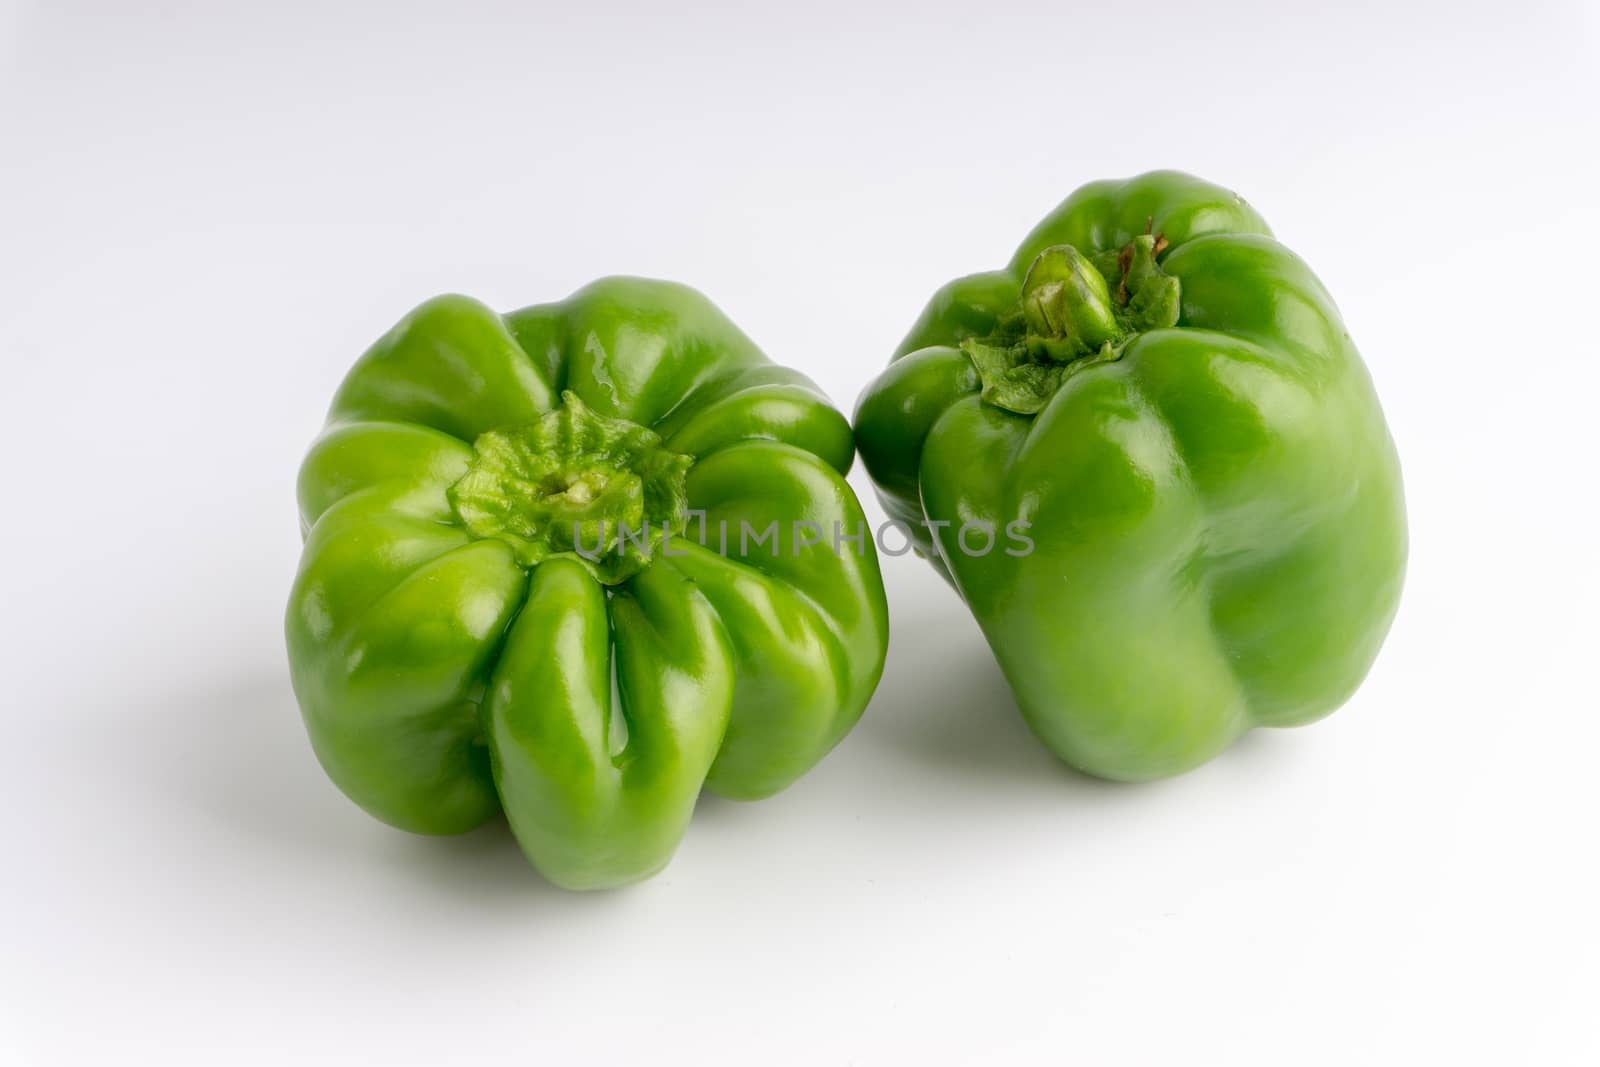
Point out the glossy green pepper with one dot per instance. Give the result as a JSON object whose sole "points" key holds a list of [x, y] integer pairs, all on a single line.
{"points": [[576, 562], [1210, 527]]}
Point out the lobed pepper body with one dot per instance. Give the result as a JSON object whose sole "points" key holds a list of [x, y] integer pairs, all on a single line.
{"points": [[478, 623], [1168, 399]]}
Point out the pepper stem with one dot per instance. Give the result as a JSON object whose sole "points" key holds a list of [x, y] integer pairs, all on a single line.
{"points": [[1067, 305], [1071, 319], [576, 483]]}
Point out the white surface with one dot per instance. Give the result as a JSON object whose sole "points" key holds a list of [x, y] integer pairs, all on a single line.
{"points": [[206, 215]]}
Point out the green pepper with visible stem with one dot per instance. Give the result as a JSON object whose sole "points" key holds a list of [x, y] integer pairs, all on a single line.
{"points": [[575, 563], [1166, 401]]}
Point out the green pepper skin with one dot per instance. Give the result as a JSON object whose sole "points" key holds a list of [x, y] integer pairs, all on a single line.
{"points": [[441, 680], [1217, 514]]}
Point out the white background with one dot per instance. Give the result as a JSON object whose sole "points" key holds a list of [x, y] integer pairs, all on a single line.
{"points": [[206, 214]]}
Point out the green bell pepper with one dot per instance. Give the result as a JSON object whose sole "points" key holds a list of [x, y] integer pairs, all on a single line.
{"points": [[1210, 530], [558, 563]]}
